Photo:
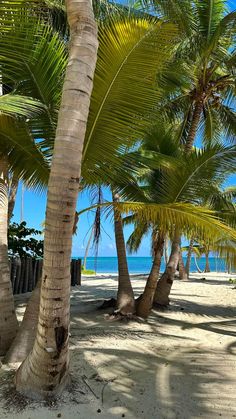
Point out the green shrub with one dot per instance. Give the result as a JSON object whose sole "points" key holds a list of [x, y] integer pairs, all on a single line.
{"points": [[232, 281]]}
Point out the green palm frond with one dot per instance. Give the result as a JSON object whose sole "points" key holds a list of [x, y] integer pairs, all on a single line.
{"points": [[25, 158], [176, 11], [225, 29], [196, 249], [136, 237], [227, 118], [193, 179], [33, 61], [20, 105], [131, 52], [184, 217], [210, 14]]}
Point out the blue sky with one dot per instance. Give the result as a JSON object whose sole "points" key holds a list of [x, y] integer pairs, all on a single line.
{"points": [[34, 215]]}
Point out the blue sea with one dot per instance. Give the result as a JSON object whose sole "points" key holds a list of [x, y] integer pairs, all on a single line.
{"points": [[143, 264]]}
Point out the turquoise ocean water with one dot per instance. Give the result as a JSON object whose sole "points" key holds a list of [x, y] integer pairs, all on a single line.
{"points": [[143, 264]]}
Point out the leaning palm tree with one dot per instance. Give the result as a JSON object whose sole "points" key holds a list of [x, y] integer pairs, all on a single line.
{"points": [[45, 370], [114, 101], [32, 117], [178, 183], [140, 36], [20, 157], [201, 78], [213, 165]]}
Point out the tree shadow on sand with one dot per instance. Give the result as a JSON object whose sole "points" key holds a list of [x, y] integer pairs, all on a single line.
{"points": [[168, 384]]}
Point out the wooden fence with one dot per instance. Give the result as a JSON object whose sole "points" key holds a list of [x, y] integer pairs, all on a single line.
{"points": [[25, 272]]}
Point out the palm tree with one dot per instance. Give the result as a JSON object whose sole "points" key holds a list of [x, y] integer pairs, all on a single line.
{"points": [[178, 183], [21, 158], [201, 77], [45, 370], [211, 163], [113, 96], [24, 155], [137, 33], [189, 254], [202, 94]]}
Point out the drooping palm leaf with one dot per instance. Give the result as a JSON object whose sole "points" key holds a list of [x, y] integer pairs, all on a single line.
{"points": [[25, 158], [189, 219], [20, 105], [132, 50]]}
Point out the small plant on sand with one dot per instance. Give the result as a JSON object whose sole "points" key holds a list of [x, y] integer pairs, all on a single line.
{"points": [[232, 281]]}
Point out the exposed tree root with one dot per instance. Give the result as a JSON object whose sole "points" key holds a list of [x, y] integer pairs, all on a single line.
{"points": [[107, 304], [118, 316]]}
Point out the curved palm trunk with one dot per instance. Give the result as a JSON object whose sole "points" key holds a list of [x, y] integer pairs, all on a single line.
{"points": [[166, 256], [182, 271], [165, 282], [125, 295], [194, 126], [207, 266], [145, 302], [24, 340], [44, 373], [198, 269], [8, 320], [189, 256]]}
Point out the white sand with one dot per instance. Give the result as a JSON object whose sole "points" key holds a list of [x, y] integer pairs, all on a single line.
{"points": [[181, 363]]}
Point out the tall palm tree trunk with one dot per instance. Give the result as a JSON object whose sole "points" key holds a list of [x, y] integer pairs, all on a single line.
{"points": [[24, 340], [125, 296], [44, 373], [165, 282], [145, 302], [189, 256], [8, 320], [182, 271], [166, 245], [198, 269], [207, 265], [194, 126]]}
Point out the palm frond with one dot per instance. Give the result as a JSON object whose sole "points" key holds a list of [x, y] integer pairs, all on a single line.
{"points": [[189, 219], [132, 50], [33, 61], [136, 237], [210, 14], [196, 173], [20, 105], [25, 158]]}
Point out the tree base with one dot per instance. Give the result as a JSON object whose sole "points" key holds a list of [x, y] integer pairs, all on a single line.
{"points": [[32, 387]]}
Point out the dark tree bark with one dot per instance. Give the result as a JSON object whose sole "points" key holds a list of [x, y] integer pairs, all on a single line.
{"points": [[189, 255], [125, 294], [145, 302], [165, 282]]}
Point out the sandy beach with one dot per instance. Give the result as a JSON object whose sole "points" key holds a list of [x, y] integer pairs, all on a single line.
{"points": [[181, 363]]}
